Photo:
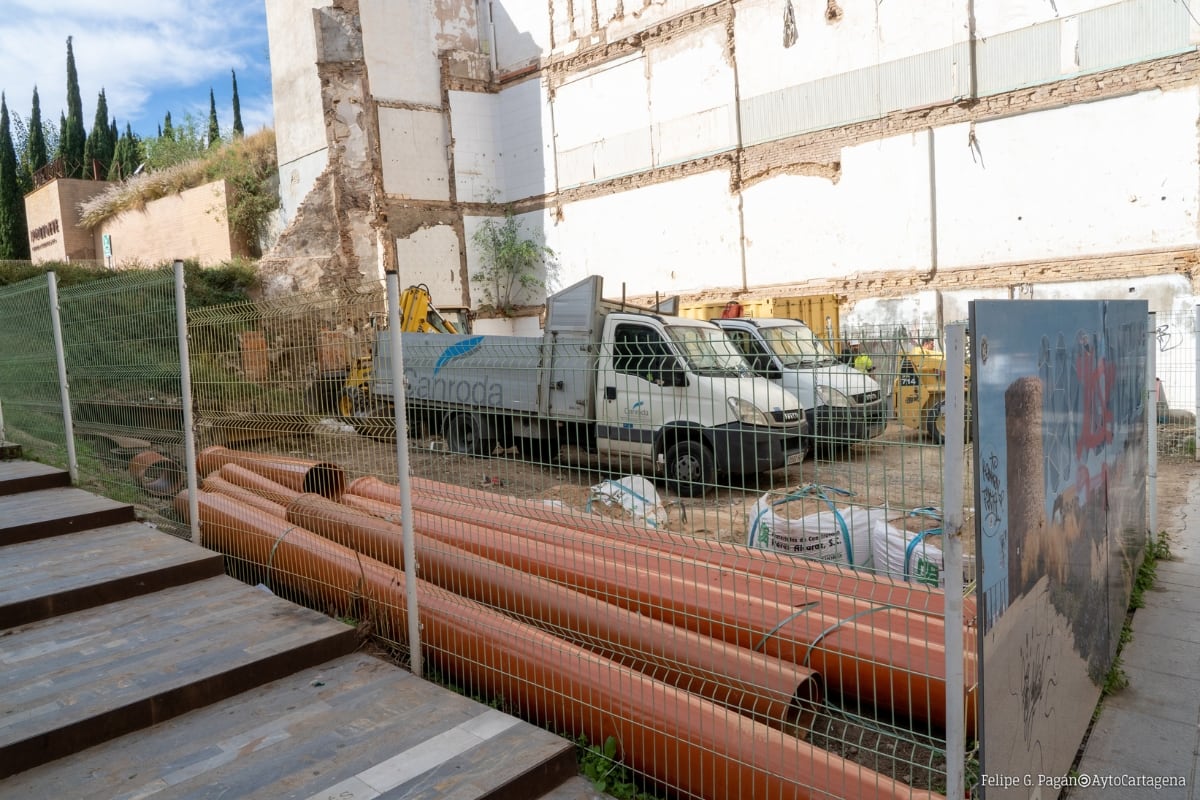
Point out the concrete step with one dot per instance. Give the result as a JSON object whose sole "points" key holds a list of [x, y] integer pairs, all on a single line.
{"points": [[61, 574], [53, 512], [26, 476], [356, 727], [73, 681]]}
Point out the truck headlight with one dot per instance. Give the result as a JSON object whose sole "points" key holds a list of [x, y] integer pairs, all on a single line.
{"points": [[748, 412], [830, 396]]}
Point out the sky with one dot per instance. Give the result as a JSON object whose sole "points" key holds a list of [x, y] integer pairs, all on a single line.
{"points": [[149, 57]]}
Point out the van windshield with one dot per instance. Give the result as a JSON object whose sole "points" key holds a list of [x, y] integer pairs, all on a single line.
{"points": [[707, 350], [796, 346]]}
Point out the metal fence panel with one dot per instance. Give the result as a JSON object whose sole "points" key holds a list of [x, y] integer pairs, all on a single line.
{"points": [[29, 386]]}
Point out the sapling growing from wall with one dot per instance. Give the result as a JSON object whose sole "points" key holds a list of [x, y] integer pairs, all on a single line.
{"points": [[511, 263]]}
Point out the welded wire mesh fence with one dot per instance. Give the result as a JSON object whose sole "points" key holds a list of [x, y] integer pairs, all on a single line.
{"points": [[29, 385], [582, 552], [1176, 399], [122, 354]]}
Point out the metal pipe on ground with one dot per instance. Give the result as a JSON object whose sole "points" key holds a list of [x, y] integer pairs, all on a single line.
{"points": [[461, 502], [298, 474], [886, 658], [676, 738], [774, 691]]}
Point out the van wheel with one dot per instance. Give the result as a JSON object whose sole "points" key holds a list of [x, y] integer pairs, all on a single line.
{"points": [[691, 468], [465, 433]]}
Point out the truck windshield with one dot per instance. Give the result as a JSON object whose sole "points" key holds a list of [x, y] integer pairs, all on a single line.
{"points": [[707, 351], [796, 346]]}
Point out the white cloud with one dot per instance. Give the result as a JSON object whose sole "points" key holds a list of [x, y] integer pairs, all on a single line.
{"points": [[149, 56]]}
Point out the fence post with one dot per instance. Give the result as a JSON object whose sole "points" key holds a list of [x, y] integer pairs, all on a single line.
{"points": [[185, 393], [1196, 381], [952, 524], [406, 512], [1152, 428], [63, 388]]}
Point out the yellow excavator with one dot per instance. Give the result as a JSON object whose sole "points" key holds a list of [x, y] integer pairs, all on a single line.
{"points": [[919, 393], [348, 389]]}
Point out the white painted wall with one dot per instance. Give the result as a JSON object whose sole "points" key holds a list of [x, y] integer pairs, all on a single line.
{"points": [[431, 256], [995, 18], [668, 237], [691, 96], [1092, 178], [473, 118], [602, 123], [876, 216], [868, 34], [401, 54], [300, 144], [520, 30], [526, 140], [413, 146]]}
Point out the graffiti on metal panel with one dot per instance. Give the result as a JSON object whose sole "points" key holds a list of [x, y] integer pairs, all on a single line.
{"points": [[1037, 678]]}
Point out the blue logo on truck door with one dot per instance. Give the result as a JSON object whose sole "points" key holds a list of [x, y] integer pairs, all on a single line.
{"points": [[457, 350]]}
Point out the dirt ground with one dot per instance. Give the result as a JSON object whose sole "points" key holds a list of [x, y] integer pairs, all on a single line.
{"points": [[899, 471]]}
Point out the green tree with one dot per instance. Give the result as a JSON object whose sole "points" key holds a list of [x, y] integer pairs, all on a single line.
{"points": [[74, 139], [14, 236], [511, 264], [98, 151], [62, 128], [35, 146], [238, 130], [185, 144], [167, 129], [126, 156], [214, 130]]}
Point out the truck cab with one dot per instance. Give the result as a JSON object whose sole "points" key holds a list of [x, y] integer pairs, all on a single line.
{"points": [[674, 391], [843, 405]]}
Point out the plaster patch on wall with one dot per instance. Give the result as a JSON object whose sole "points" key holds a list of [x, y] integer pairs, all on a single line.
{"points": [[833, 12]]}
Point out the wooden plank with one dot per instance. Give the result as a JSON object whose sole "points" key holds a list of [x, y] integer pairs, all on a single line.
{"points": [[306, 735], [27, 476], [60, 574], [73, 681], [53, 512]]}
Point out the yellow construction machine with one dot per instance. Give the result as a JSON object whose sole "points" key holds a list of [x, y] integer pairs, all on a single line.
{"points": [[919, 393], [355, 403]]}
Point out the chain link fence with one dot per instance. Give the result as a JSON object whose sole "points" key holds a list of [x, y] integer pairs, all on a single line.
{"points": [[30, 399]]}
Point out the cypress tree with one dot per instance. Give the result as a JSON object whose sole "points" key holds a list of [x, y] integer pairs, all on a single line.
{"points": [[73, 136], [167, 131], [14, 237], [62, 132], [114, 135], [98, 151], [214, 130], [35, 145], [238, 131], [125, 158]]}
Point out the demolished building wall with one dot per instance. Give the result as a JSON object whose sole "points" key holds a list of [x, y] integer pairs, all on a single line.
{"points": [[875, 151]]}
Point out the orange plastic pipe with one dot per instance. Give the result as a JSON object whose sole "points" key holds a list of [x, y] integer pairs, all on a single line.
{"points": [[773, 690], [674, 737], [259, 485], [215, 483], [298, 474], [464, 503], [886, 657]]}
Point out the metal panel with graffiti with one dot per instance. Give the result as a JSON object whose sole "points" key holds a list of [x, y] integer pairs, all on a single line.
{"points": [[1060, 523]]}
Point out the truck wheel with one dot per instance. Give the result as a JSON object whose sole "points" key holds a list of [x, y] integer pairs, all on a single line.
{"points": [[935, 422], [369, 418], [691, 468], [464, 433]]}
